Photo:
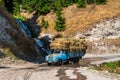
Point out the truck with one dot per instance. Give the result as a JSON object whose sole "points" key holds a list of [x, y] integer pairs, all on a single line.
{"points": [[65, 50]]}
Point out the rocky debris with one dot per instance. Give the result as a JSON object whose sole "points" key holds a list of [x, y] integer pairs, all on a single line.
{"points": [[105, 29]]}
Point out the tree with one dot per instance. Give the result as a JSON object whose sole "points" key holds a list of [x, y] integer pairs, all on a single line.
{"points": [[101, 1], [16, 8], [60, 24], [9, 5], [91, 1], [43, 6], [28, 5], [81, 3], [1, 2], [44, 23]]}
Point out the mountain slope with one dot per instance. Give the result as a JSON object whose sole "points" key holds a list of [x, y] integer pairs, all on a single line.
{"points": [[12, 40], [79, 20]]}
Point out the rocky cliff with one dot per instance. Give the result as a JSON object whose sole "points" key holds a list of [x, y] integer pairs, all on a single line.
{"points": [[12, 40]]}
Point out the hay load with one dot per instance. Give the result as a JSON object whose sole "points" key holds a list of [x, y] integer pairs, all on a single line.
{"points": [[68, 44]]}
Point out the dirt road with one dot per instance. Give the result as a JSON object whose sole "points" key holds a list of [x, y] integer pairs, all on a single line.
{"points": [[78, 71]]}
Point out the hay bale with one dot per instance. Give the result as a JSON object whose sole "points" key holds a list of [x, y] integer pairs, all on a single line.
{"points": [[68, 44]]}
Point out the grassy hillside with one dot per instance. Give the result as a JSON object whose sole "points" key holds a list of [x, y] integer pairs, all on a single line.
{"points": [[79, 20]]}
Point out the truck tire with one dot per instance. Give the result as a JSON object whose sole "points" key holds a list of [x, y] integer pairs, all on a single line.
{"points": [[59, 62], [76, 60], [48, 64]]}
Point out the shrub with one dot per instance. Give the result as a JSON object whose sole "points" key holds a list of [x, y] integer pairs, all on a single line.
{"points": [[90, 1], [101, 1], [44, 23], [8, 53], [81, 3], [111, 66]]}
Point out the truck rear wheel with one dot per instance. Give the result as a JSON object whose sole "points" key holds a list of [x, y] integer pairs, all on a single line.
{"points": [[76, 60]]}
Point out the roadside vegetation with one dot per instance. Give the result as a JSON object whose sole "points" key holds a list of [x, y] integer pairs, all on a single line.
{"points": [[113, 67]]}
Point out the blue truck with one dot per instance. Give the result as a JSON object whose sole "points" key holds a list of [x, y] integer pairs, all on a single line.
{"points": [[62, 53], [61, 56]]}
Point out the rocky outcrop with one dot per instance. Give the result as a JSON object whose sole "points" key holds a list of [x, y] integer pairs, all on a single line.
{"points": [[109, 29], [4, 25], [12, 38], [103, 36]]}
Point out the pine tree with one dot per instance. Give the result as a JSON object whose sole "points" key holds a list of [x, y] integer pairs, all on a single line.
{"points": [[44, 23], [101, 1], [16, 7], [81, 3], [91, 1], [60, 24]]}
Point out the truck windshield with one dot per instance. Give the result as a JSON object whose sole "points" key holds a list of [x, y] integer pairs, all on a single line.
{"points": [[57, 52]]}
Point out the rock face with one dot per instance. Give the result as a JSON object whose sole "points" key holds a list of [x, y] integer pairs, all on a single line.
{"points": [[105, 29], [103, 35], [4, 36], [12, 37]]}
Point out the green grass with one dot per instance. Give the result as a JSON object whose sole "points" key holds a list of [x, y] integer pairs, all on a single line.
{"points": [[19, 17], [113, 67]]}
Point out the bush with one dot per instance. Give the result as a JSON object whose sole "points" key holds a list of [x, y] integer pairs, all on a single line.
{"points": [[111, 66], [101, 1], [44, 23], [90, 1], [8, 53], [81, 3], [1, 2]]}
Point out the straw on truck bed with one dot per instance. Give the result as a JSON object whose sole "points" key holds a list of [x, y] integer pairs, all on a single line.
{"points": [[68, 44]]}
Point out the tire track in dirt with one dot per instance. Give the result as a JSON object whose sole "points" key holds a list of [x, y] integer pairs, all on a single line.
{"points": [[63, 76]]}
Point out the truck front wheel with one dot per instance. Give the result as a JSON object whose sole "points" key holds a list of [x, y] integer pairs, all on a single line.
{"points": [[48, 64], [59, 62]]}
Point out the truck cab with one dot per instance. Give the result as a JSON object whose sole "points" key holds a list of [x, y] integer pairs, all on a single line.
{"points": [[56, 56]]}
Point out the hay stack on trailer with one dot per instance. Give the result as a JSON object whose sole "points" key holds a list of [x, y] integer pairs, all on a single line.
{"points": [[68, 44]]}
